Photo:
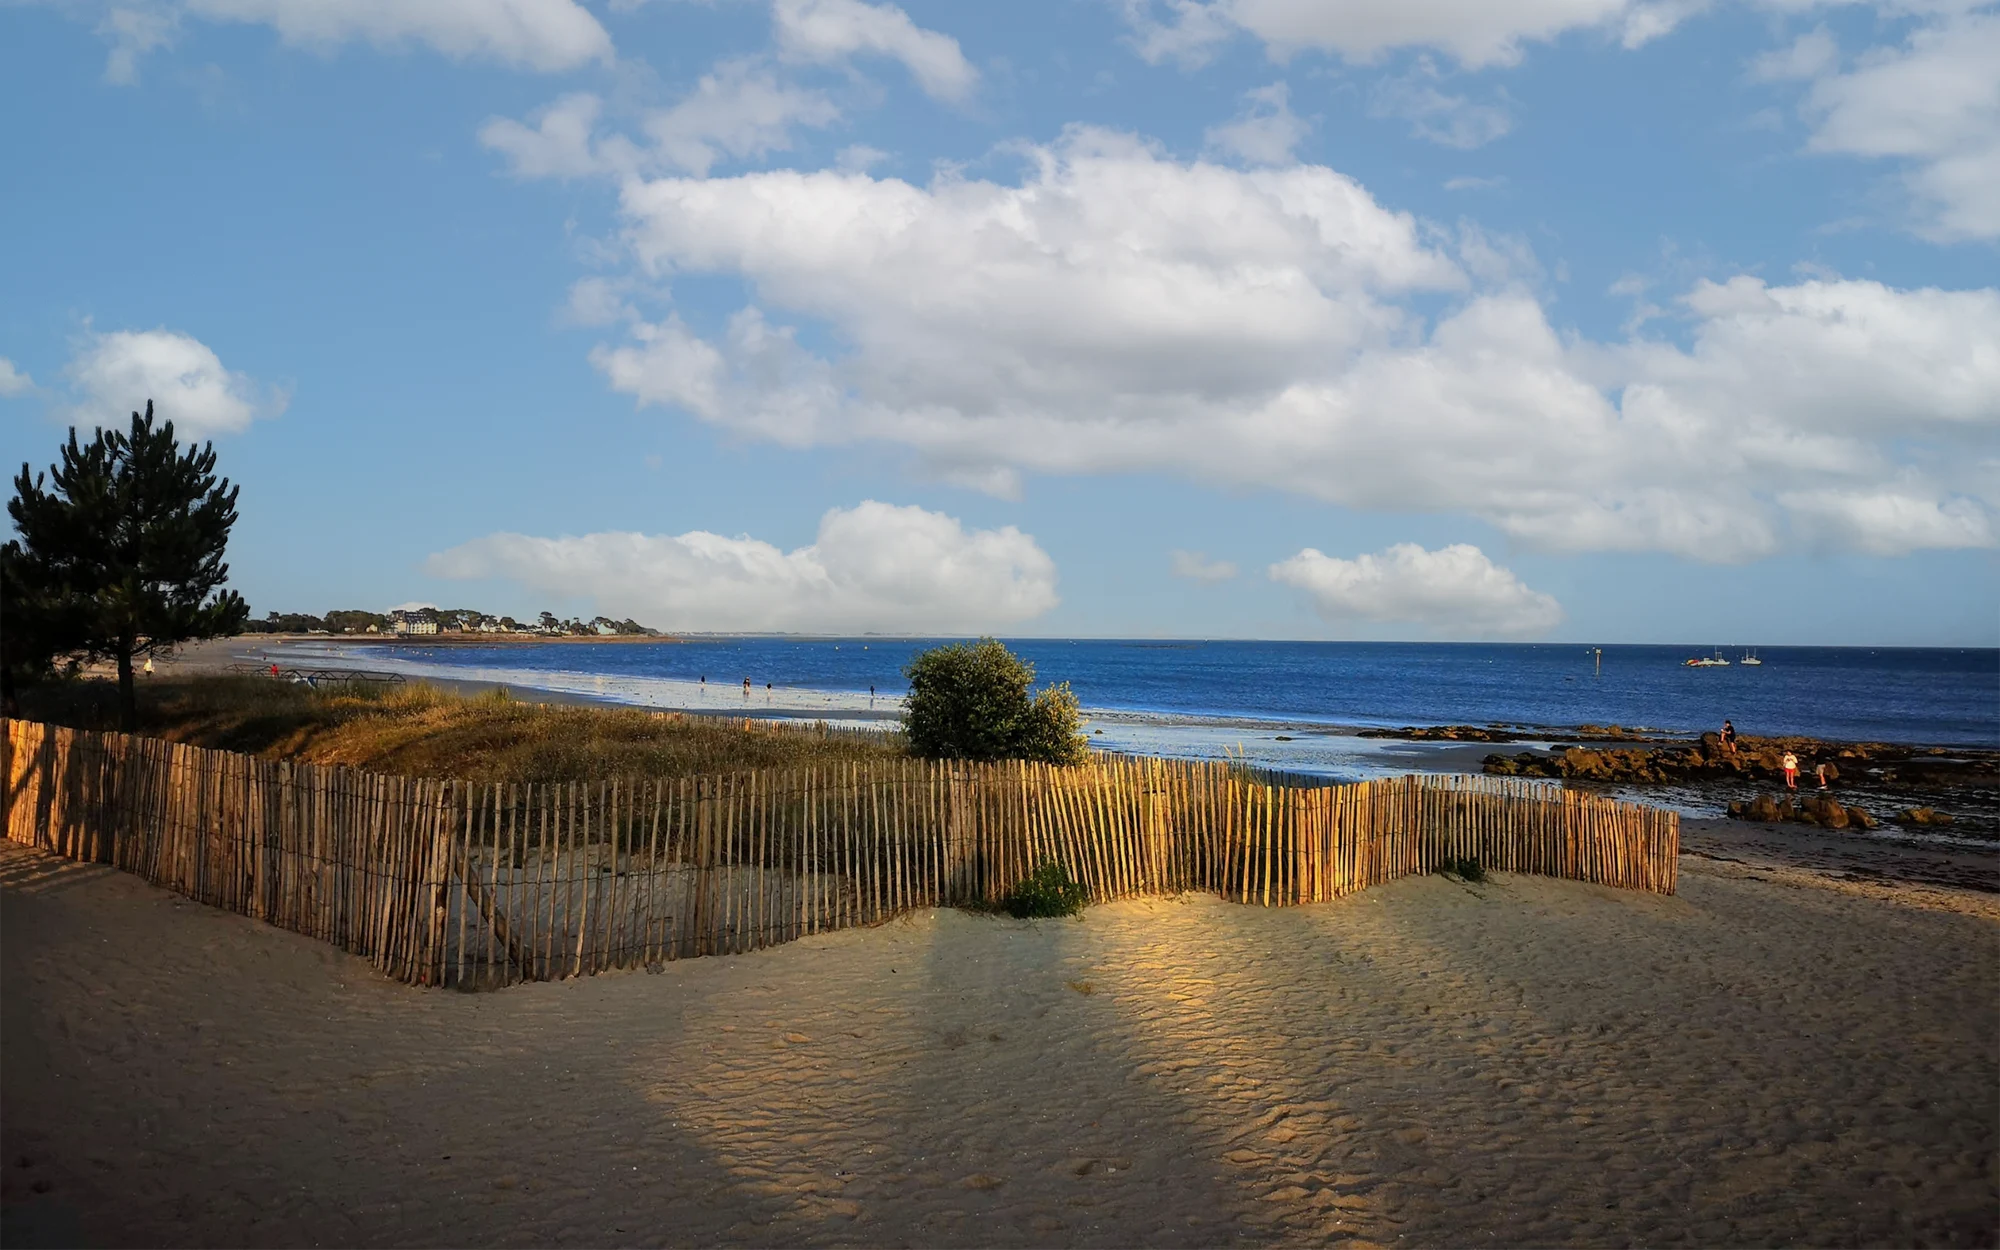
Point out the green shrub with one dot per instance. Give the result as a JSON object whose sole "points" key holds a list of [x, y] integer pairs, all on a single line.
{"points": [[1047, 891], [970, 701], [1463, 869]]}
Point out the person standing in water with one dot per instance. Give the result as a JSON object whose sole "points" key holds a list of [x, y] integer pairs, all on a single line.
{"points": [[1791, 763]]}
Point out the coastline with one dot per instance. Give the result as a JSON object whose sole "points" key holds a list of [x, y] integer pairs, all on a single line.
{"points": [[1284, 744]]}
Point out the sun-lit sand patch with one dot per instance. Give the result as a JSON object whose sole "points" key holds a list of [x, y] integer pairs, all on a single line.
{"points": [[1525, 1062]]}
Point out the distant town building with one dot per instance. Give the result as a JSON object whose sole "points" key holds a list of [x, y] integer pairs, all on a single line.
{"points": [[412, 623]]}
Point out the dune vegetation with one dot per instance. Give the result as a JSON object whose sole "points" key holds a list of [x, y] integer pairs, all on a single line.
{"points": [[421, 730]]}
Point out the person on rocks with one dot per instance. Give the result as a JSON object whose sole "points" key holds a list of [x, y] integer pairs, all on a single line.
{"points": [[1819, 770], [1791, 763], [1729, 739]]}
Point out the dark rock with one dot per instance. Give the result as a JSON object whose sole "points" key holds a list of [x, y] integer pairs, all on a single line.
{"points": [[1860, 819], [1924, 816]]}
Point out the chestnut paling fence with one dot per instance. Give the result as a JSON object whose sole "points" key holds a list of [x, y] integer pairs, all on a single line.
{"points": [[448, 883]]}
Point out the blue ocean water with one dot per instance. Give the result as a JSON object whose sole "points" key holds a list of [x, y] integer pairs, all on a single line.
{"points": [[1915, 695]]}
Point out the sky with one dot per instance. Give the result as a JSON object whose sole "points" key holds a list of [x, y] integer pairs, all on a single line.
{"points": [[1582, 320]]}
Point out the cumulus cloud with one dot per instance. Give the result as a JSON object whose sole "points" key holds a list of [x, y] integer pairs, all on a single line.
{"points": [[1933, 104], [117, 373], [1453, 592], [738, 110], [1266, 131], [1197, 567], [875, 566], [543, 35], [831, 31], [1119, 311], [1472, 32], [13, 380], [559, 145]]}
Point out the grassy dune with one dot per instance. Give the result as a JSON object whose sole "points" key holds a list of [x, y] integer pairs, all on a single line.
{"points": [[419, 730]]}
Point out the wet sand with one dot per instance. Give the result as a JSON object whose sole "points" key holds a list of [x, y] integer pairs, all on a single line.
{"points": [[1760, 1060]]}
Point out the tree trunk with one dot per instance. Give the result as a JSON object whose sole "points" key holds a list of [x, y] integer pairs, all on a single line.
{"points": [[128, 706]]}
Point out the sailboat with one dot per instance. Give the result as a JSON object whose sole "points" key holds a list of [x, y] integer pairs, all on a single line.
{"points": [[1750, 657], [1709, 661]]}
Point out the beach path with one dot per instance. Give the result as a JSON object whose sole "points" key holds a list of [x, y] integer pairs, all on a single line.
{"points": [[1755, 1061]]}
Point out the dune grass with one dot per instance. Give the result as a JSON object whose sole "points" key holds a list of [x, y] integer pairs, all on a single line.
{"points": [[420, 730]]}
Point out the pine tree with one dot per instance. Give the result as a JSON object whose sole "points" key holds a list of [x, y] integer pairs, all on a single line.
{"points": [[122, 555], [35, 621]]}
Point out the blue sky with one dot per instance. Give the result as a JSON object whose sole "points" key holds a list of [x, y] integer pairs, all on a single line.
{"points": [[1576, 319]]}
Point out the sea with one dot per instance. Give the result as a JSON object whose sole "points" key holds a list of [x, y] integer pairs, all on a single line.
{"points": [[1288, 705]]}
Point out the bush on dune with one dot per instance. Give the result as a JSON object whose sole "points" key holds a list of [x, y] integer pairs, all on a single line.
{"points": [[1047, 891], [971, 701]]}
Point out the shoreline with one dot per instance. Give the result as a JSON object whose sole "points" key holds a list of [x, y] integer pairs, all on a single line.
{"points": [[1287, 744]]}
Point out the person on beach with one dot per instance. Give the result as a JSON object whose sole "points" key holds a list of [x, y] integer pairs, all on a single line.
{"points": [[149, 666], [746, 687], [1729, 739], [1791, 763], [1819, 770]]}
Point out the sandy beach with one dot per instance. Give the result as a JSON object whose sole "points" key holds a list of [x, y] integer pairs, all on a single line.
{"points": [[1774, 1056]]}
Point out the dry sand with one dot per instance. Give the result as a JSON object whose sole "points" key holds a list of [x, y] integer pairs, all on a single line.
{"points": [[1760, 1060]]}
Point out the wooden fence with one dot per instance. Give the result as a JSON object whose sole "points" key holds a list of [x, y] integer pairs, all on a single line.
{"points": [[448, 883]]}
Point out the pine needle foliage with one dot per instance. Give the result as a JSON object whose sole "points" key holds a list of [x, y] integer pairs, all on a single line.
{"points": [[120, 555]]}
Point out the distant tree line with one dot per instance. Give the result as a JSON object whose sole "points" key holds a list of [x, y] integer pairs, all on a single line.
{"points": [[447, 620], [117, 555]]}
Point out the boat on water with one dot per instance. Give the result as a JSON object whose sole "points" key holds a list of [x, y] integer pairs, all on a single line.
{"points": [[1709, 661], [1750, 658]]}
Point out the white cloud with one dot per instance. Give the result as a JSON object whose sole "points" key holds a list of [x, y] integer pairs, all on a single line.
{"points": [[1451, 120], [13, 381], [858, 158], [1266, 131], [133, 32], [1470, 183], [544, 35], [117, 373], [1117, 311], [597, 302], [873, 567], [1473, 32], [1808, 56], [1887, 523], [1454, 592], [831, 31], [738, 110], [1195, 566], [1933, 104], [557, 146]]}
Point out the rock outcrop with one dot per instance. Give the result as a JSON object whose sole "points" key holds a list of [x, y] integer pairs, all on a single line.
{"points": [[1923, 816], [1827, 813], [1755, 759]]}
